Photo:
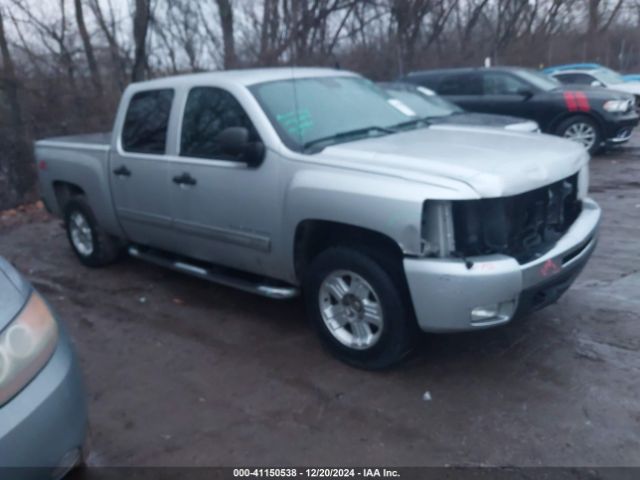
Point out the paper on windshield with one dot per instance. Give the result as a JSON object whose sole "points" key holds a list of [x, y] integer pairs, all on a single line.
{"points": [[403, 108], [296, 122], [426, 91]]}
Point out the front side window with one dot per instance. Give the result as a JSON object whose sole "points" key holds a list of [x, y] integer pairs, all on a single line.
{"points": [[146, 123], [536, 78], [208, 112], [307, 110], [495, 83]]}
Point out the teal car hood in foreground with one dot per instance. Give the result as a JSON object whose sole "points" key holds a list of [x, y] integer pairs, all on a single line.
{"points": [[43, 427]]}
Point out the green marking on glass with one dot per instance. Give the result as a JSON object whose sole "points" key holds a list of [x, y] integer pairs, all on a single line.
{"points": [[295, 123]]}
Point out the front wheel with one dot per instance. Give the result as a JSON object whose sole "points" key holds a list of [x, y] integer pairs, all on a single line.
{"points": [[360, 308], [582, 130]]}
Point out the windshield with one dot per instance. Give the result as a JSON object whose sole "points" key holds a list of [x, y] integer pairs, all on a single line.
{"points": [[540, 80], [608, 77], [307, 110], [424, 102]]}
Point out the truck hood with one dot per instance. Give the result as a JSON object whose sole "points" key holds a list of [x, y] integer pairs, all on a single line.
{"points": [[13, 293], [493, 162]]}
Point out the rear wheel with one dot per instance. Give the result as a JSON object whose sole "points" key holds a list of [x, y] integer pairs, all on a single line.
{"points": [[93, 246], [582, 130], [358, 305]]}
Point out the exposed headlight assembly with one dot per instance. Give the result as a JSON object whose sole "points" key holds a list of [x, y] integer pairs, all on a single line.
{"points": [[616, 106], [437, 229], [26, 345]]}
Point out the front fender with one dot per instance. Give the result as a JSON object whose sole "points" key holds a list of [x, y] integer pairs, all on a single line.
{"points": [[389, 206]]}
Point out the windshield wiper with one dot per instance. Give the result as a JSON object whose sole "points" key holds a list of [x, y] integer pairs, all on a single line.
{"points": [[422, 121], [348, 134]]}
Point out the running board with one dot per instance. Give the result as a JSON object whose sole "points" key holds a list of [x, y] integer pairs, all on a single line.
{"points": [[222, 277]]}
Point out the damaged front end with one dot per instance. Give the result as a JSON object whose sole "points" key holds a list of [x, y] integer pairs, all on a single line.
{"points": [[523, 226]]}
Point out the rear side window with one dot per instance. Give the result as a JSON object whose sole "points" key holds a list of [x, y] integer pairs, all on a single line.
{"points": [[147, 121], [208, 112], [460, 84], [498, 83], [575, 78]]}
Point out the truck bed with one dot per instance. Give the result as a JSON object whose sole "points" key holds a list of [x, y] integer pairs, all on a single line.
{"points": [[79, 163]]}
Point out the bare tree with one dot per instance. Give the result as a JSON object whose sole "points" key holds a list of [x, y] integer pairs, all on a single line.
{"points": [[407, 18], [88, 48], [225, 11], [108, 27], [300, 31], [600, 18], [54, 36], [141, 20], [19, 167], [508, 21], [178, 28]]}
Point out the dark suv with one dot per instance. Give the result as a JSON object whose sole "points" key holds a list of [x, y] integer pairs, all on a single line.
{"points": [[594, 117]]}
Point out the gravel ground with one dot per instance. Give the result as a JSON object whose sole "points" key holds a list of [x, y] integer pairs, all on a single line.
{"points": [[181, 372]]}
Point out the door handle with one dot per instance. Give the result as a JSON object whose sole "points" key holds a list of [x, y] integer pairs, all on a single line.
{"points": [[122, 171], [184, 179]]}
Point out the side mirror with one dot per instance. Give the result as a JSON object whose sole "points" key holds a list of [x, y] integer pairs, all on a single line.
{"points": [[597, 83], [526, 93], [234, 141]]}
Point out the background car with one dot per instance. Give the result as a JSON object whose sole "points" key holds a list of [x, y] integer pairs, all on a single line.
{"points": [[594, 117], [427, 104], [594, 75], [566, 66], [43, 412], [631, 77]]}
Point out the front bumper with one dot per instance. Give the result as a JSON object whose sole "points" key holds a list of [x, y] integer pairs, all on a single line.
{"points": [[445, 291], [43, 428], [622, 136], [619, 130]]}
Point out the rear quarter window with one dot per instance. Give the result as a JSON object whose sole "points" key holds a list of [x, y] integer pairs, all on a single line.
{"points": [[146, 123], [575, 78]]}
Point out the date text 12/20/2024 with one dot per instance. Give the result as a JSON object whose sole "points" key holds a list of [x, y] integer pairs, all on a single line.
{"points": [[315, 473]]}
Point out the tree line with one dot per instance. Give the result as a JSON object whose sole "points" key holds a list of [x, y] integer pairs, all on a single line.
{"points": [[64, 63]]}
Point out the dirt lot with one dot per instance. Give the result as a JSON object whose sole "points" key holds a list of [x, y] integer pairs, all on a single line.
{"points": [[182, 372]]}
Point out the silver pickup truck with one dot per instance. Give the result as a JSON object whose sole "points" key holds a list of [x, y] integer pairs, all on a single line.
{"points": [[278, 181]]}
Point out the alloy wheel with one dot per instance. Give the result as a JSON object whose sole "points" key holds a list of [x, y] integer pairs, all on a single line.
{"points": [[583, 133], [351, 310], [81, 234]]}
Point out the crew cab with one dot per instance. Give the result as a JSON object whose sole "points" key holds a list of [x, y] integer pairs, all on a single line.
{"points": [[594, 117], [316, 181]]}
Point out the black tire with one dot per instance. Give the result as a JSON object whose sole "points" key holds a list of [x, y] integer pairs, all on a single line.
{"points": [[105, 248], [399, 328], [564, 126]]}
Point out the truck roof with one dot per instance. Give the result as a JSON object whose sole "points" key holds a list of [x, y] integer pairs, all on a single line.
{"points": [[249, 76]]}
